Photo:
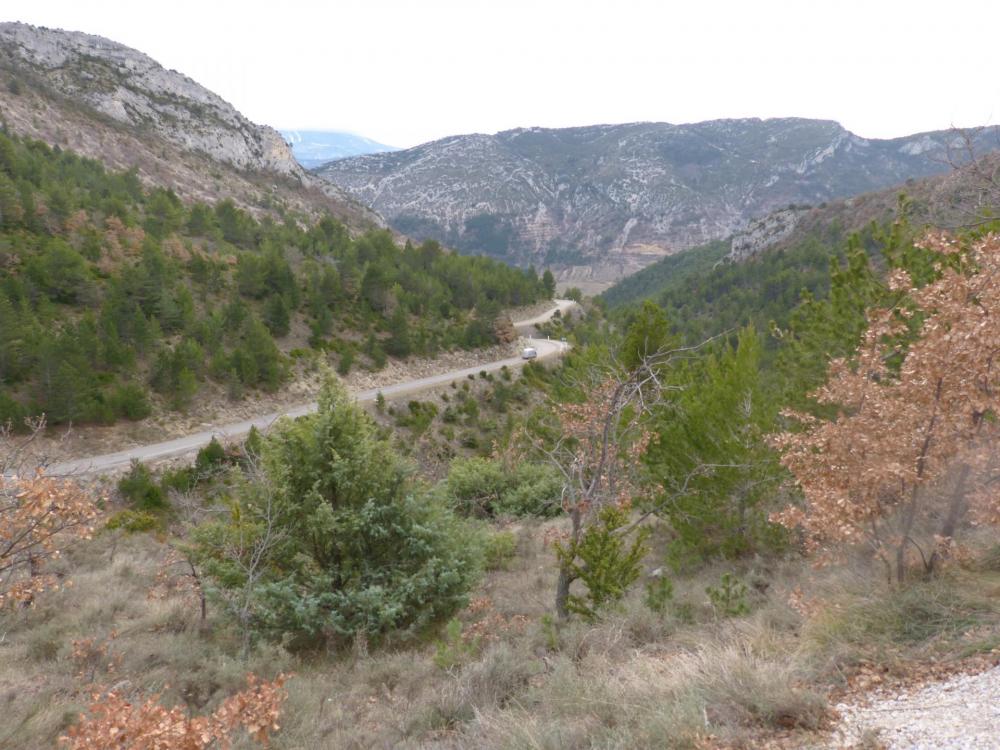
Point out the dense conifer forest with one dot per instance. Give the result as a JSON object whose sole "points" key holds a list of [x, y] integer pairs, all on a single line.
{"points": [[111, 292]]}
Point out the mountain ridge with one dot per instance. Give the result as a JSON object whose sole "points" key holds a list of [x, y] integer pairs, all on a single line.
{"points": [[108, 101], [599, 202]]}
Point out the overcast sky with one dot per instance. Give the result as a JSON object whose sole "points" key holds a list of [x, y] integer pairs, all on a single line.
{"points": [[407, 71]]}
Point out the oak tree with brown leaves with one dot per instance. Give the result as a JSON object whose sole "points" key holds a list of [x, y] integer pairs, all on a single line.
{"points": [[39, 517], [911, 451]]}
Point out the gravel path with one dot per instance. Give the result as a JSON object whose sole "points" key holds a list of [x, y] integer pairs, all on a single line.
{"points": [[962, 713]]}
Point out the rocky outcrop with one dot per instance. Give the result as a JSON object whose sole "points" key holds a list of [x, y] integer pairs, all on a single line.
{"points": [[116, 104], [763, 233], [610, 198]]}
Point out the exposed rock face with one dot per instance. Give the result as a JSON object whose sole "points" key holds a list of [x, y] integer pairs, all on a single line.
{"points": [[761, 234], [607, 199], [116, 104]]}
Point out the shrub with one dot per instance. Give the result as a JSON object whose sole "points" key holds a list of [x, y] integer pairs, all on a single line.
{"points": [[210, 458], [608, 565], [140, 490], [454, 649], [484, 487], [659, 594], [729, 598], [358, 547], [133, 521], [421, 414], [181, 479], [345, 363], [499, 549], [129, 401]]}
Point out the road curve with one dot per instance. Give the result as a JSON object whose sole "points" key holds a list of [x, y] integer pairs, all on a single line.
{"points": [[190, 443]]}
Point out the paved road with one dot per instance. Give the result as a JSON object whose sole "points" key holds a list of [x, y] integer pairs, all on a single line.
{"points": [[191, 443]]}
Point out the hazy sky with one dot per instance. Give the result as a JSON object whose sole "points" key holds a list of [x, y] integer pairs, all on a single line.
{"points": [[407, 71]]}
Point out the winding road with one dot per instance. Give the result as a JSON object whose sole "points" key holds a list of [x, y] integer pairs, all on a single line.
{"points": [[191, 443]]}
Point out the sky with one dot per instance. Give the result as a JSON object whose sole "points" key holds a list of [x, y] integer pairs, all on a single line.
{"points": [[407, 71]]}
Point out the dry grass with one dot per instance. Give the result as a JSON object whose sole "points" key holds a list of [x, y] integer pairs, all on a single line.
{"points": [[635, 679]]}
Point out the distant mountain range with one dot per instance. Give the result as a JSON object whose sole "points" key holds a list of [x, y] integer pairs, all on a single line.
{"points": [[597, 203], [313, 148], [113, 103]]}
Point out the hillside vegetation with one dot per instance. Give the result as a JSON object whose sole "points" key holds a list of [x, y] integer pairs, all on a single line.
{"points": [[110, 291], [628, 565]]}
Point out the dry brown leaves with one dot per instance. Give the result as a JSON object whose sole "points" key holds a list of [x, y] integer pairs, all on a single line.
{"points": [[900, 436], [116, 723], [39, 517]]}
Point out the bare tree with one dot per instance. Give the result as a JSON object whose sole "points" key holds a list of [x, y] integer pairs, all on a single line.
{"points": [[970, 156], [599, 444], [244, 543]]}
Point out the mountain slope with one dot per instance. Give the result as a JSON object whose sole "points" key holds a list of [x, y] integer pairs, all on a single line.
{"points": [[756, 276], [599, 202], [109, 102], [116, 301], [313, 148]]}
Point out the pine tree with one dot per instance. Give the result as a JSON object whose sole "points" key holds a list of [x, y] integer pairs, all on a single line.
{"points": [[399, 343], [549, 284], [708, 457]]}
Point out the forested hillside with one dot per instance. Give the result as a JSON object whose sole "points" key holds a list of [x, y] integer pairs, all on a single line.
{"points": [[707, 289], [115, 298], [703, 295]]}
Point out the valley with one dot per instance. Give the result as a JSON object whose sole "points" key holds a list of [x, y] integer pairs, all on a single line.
{"points": [[637, 435]]}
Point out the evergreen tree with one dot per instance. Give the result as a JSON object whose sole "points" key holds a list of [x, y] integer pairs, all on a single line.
{"points": [[276, 315], [359, 548], [709, 457], [399, 343], [549, 284]]}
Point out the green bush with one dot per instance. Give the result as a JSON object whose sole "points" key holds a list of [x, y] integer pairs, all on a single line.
{"points": [[181, 479], [453, 650], [482, 487], [129, 401], [659, 594], [499, 549], [729, 598], [210, 458], [140, 490], [419, 418], [361, 548], [133, 521], [346, 362], [604, 560]]}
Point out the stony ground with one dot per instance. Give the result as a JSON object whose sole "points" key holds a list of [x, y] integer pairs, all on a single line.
{"points": [[960, 713]]}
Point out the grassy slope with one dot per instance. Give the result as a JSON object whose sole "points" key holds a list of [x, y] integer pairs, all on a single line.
{"points": [[634, 679]]}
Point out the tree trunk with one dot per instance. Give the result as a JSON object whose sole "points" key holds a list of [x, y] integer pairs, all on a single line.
{"points": [[956, 509], [562, 593], [566, 576], [909, 515]]}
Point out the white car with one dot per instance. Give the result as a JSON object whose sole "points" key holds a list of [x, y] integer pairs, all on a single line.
{"points": [[529, 352]]}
